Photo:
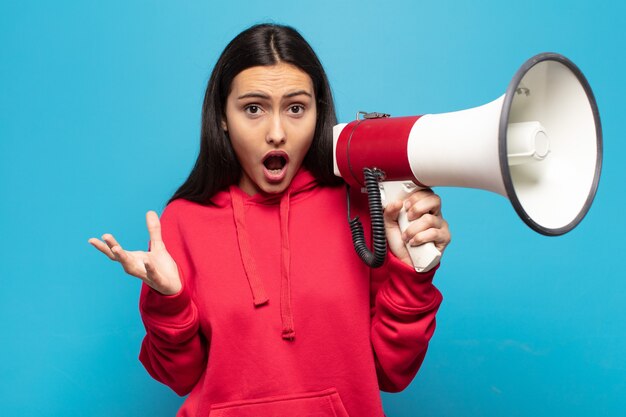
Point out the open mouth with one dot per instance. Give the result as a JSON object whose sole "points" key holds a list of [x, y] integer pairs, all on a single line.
{"points": [[275, 162]]}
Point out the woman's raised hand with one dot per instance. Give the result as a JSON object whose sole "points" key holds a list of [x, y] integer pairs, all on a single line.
{"points": [[156, 267]]}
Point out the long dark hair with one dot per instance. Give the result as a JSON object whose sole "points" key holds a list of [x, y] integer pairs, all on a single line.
{"points": [[217, 166]]}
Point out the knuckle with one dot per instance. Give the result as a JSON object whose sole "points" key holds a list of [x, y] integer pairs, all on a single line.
{"points": [[414, 212], [430, 234], [427, 235], [426, 194], [429, 220]]}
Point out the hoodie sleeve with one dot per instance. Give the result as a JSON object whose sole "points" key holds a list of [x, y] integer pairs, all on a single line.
{"points": [[404, 304], [173, 350]]}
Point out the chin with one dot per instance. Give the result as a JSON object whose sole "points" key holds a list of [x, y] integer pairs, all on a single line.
{"points": [[260, 183], [275, 188]]}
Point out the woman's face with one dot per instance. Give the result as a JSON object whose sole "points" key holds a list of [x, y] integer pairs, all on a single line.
{"points": [[270, 119]]}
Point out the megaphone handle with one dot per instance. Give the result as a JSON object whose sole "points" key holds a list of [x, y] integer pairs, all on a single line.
{"points": [[424, 257]]}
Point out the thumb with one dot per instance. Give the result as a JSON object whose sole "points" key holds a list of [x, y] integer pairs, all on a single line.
{"points": [[154, 227], [392, 211]]}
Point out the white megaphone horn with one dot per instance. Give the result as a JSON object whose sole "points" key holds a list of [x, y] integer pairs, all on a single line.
{"points": [[539, 145]]}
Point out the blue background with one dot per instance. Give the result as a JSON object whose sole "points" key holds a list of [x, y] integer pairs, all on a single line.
{"points": [[99, 122]]}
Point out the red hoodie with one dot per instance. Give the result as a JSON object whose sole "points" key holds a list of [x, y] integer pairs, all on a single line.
{"points": [[278, 315]]}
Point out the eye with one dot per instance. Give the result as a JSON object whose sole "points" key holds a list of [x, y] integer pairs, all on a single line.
{"points": [[252, 109], [297, 109]]}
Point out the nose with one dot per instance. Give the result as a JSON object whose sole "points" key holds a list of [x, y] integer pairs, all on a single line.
{"points": [[276, 132]]}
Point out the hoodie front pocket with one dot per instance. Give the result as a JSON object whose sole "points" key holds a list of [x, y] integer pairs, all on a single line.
{"points": [[325, 403]]}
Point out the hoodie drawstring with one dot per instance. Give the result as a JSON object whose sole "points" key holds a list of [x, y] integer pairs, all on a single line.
{"points": [[286, 314], [259, 296]]}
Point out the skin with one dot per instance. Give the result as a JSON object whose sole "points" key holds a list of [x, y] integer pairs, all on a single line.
{"points": [[272, 109], [423, 209], [155, 267]]}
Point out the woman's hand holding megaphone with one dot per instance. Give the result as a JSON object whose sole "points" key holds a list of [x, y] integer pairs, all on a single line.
{"points": [[156, 267], [415, 224]]}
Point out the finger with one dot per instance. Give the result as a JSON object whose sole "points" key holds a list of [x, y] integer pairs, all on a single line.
{"points": [[112, 244], [422, 197], [427, 221], [102, 247], [417, 207], [130, 264], [439, 236], [419, 194], [110, 240], [425, 236], [154, 226]]}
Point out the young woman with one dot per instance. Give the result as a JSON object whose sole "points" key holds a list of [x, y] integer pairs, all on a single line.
{"points": [[254, 300]]}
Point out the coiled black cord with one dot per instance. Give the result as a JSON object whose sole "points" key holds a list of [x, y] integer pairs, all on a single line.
{"points": [[379, 241]]}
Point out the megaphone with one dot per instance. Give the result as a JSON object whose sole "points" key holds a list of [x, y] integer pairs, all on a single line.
{"points": [[539, 145]]}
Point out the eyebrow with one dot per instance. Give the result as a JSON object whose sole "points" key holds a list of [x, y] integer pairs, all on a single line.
{"points": [[257, 94]]}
